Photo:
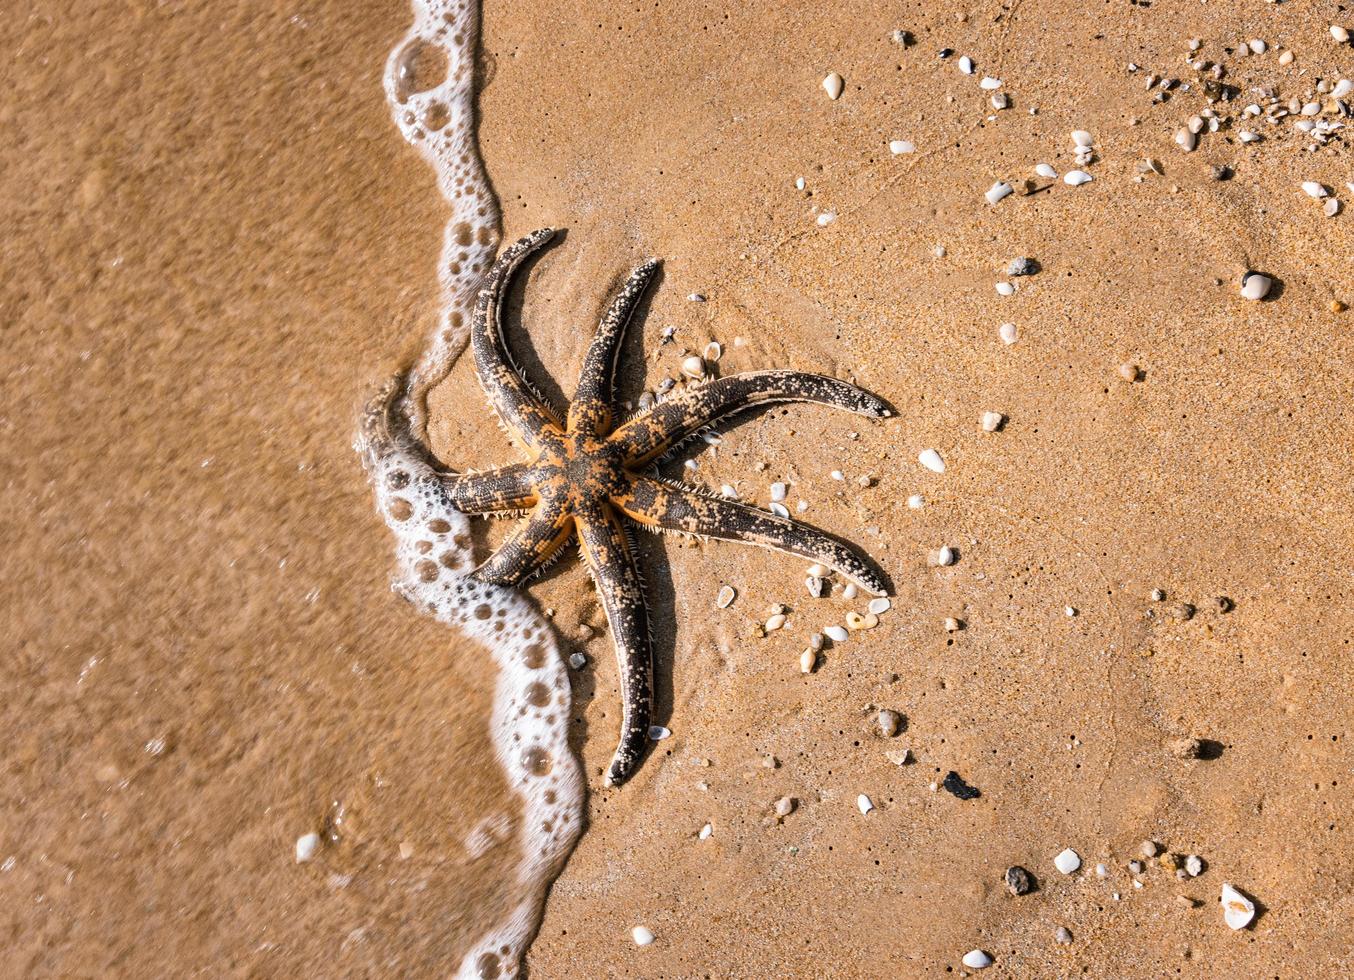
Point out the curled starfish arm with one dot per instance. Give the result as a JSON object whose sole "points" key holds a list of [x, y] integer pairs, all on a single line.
{"points": [[521, 409], [509, 488], [590, 411], [660, 506], [610, 558], [648, 436], [531, 546]]}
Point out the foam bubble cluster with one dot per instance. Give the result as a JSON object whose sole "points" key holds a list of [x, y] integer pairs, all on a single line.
{"points": [[429, 82]]}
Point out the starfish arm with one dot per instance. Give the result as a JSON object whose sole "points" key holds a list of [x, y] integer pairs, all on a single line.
{"points": [[609, 553], [590, 412], [531, 546], [509, 488], [520, 408], [648, 436], [660, 506]]}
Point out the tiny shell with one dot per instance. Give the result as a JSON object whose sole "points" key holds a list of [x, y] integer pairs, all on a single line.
{"points": [[976, 959], [864, 803], [989, 83], [713, 352], [808, 660], [641, 936], [849, 590], [779, 509], [693, 367], [307, 846], [1005, 289], [1077, 177], [879, 605], [836, 634], [1008, 333], [1312, 189], [832, 85], [778, 492], [706, 831], [819, 571], [966, 65], [775, 622], [1186, 140], [1340, 34], [1255, 285], [991, 421], [657, 733], [726, 596], [814, 586], [931, 460], [901, 146], [1044, 170], [945, 556], [1067, 861], [1082, 138], [1237, 909]]}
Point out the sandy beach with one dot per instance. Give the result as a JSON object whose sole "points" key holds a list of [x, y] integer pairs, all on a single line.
{"points": [[218, 244]]}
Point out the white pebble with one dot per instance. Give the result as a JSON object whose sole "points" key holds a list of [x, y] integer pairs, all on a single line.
{"points": [[726, 596], [991, 421], [1007, 332], [945, 556], [1194, 865], [837, 475], [966, 64], [990, 83], [931, 460], [1312, 189], [1258, 46], [976, 959], [1237, 909], [1082, 138], [879, 605], [775, 622], [832, 85], [916, 502], [1077, 177], [778, 492], [1069, 611], [1255, 285], [1045, 170], [1246, 136], [1067, 861], [901, 146], [641, 936], [1186, 140], [808, 660], [1340, 34], [997, 191], [952, 625], [826, 218], [706, 831], [307, 846], [864, 803], [837, 634]]}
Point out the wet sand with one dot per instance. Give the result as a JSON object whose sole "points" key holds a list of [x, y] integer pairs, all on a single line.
{"points": [[219, 243]]}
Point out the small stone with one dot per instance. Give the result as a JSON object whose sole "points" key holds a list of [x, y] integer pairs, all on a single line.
{"points": [[954, 783], [1340, 34], [931, 460], [976, 959], [1000, 100], [1148, 849], [1186, 140], [991, 421], [1237, 909], [945, 556], [889, 722], [900, 757], [1181, 611], [1158, 595], [726, 596], [1008, 334], [1336, 306], [705, 832], [1062, 935], [641, 936], [786, 806], [1129, 372], [1135, 867], [1222, 172], [1185, 748], [578, 660], [1169, 861], [307, 846], [1255, 286], [1067, 861], [966, 65], [901, 146], [833, 85], [1018, 880], [1194, 865], [1022, 266], [953, 625]]}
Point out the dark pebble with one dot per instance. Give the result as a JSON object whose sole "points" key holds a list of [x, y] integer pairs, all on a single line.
{"points": [[954, 783], [946, 52], [1018, 880], [1222, 172]]}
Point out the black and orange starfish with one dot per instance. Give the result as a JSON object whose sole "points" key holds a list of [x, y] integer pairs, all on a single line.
{"points": [[588, 475]]}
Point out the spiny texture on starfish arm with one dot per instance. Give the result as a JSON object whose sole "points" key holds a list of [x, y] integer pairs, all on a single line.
{"points": [[588, 476]]}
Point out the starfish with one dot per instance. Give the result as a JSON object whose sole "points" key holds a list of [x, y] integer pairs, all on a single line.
{"points": [[595, 476]]}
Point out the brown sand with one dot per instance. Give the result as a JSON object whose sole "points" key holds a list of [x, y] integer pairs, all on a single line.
{"points": [[216, 241]]}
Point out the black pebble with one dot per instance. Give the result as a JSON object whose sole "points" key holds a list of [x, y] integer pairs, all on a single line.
{"points": [[946, 52], [954, 783], [1018, 880]]}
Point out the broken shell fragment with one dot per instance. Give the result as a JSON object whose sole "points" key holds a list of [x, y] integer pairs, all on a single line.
{"points": [[833, 85], [1237, 909]]}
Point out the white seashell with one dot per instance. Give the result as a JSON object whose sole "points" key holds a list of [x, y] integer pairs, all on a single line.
{"points": [[1195, 125], [952, 625], [1186, 140], [976, 959], [1258, 46], [726, 596], [832, 85], [1067, 861], [815, 586], [1255, 285], [849, 590], [725, 490], [808, 660], [1311, 109], [1007, 332], [713, 352], [696, 298], [1082, 138], [1000, 100], [775, 622], [864, 803], [641, 936], [945, 556], [1077, 177], [837, 475], [307, 846], [826, 218], [1194, 865], [1005, 289], [990, 83], [997, 191], [779, 509], [1331, 208], [879, 605], [706, 831], [802, 506], [693, 367], [778, 492], [1340, 34], [1045, 170], [931, 460], [1312, 189], [991, 421], [657, 733], [901, 146], [1246, 136], [1237, 909], [966, 65], [837, 634], [1342, 88], [916, 501]]}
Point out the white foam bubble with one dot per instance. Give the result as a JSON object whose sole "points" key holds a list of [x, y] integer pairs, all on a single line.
{"points": [[429, 83]]}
